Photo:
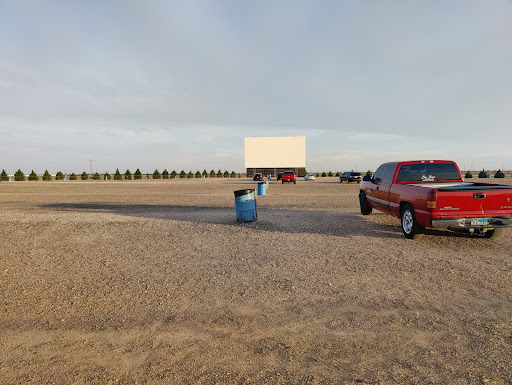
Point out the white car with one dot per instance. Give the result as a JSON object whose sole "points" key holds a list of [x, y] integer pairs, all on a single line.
{"points": [[309, 177]]}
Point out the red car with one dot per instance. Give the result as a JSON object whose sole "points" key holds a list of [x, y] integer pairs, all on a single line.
{"points": [[289, 176], [432, 193]]}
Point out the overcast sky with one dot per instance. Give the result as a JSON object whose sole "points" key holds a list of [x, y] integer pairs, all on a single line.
{"points": [[179, 84]]}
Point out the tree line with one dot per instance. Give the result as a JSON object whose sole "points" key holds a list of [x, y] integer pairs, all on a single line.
{"points": [[20, 176], [483, 174]]}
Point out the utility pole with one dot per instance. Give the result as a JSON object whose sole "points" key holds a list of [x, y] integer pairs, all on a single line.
{"points": [[90, 164]]}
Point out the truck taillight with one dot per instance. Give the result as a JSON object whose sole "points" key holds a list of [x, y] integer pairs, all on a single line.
{"points": [[432, 200]]}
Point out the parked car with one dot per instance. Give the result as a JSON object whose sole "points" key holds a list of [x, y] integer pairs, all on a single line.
{"points": [[432, 193], [257, 176], [350, 176], [279, 176], [309, 177], [289, 176]]}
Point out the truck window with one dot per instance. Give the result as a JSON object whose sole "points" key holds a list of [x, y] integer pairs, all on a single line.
{"points": [[388, 174], [428, 172], [377, 178]]}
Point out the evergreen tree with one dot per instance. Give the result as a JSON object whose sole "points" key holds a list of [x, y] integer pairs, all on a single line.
{"points": [[198, 174], [174, 173], [468, 175], [212, 174], [205, 173], [338, 173], [96, 176], [4, 176], [232, 175], [156, 174], [117, 175], [190, 175], [219, 174], [324, 174], [330, 173], [84, 176], [226, 174], [165, 174], [369, 173], [499, 174], [182, 174], [483, 174], [33, 176], [59, 175], [128, 175], [107, 176], [72, 176], [46, 175], [137, 174], [19, 176]]}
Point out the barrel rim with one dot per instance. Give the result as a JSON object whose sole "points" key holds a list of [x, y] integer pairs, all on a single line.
{"points": [[239, 193]]}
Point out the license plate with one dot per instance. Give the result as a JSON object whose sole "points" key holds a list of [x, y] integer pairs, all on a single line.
{"points": [[479, 222]]}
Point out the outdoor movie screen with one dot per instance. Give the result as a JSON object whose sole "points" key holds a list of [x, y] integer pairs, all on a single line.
{"points": [[270, 152]]}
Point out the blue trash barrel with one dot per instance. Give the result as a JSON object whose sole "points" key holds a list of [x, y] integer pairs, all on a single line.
{"points": [[245, 205], [64, 179], [262, 188]]}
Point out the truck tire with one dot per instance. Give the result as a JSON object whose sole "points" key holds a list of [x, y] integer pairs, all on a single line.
{"points": [[282, 181], [491, 234], [363, 203], [410, 226], [294, 181]]}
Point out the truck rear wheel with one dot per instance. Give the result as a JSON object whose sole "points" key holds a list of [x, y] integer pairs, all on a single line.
{"points": [[410, 226], [363, 203]]}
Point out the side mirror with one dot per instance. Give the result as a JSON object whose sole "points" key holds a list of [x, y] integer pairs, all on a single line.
{"points": [[367, 178]]}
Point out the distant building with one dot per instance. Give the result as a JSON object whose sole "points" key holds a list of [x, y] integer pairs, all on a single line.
{"points": [[270, 155]]}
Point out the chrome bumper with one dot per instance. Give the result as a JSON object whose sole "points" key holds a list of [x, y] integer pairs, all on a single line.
{"points": [[465, 223]]}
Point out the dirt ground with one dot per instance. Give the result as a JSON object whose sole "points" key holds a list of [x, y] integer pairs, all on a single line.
{"points": [[154, 282]]}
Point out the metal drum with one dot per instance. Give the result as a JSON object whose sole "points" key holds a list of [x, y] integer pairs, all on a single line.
{"points": [[262, 188], [245, 205]]}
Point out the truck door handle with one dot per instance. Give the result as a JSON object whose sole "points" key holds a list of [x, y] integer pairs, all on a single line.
{"points": [[479, 195]]}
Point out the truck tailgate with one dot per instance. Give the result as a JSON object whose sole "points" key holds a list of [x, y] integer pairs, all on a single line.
{"points": [[475, 201]]}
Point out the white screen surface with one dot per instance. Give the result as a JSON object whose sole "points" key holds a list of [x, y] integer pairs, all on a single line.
{"points": [[270, 152]]}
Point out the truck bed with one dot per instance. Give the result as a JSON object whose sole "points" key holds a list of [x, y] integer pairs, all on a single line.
{"points": [[461, 186]]}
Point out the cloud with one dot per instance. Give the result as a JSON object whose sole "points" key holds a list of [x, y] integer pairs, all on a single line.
{"points": [[376, 137]]}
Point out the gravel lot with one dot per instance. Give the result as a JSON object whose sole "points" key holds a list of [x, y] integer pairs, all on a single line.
{"points": [[154, 282]]}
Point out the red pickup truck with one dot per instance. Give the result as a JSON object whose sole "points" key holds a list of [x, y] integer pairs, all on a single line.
{"points": [[289, 176], [432, 193]]}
